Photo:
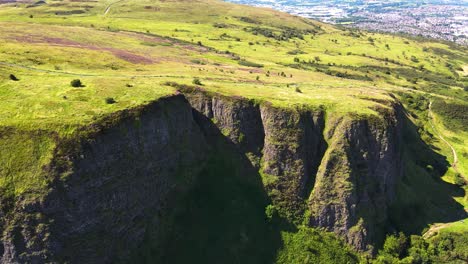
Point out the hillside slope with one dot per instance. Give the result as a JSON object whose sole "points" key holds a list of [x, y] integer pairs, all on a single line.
{"points": [[206, 131]]}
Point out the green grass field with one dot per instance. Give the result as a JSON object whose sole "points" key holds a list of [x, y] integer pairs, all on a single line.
{"points": [[154, 47]]}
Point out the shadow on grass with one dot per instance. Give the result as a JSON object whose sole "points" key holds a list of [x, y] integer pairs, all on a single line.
{"points": [[423, 198]]}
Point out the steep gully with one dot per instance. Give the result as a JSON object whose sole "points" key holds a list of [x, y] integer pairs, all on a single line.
{"points": [[338, 171]]}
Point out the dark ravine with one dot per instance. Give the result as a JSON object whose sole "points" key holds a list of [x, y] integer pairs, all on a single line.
{"points": [[338, 172]]}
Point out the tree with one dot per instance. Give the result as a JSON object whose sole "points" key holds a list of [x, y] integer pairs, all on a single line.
{"points": [[395, 245], [197, 81], [110, 100], [419, 250], [13, 77], [76, 83]]}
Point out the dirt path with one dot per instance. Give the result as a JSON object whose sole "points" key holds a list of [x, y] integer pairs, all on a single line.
{"points": [[110, 5], [434, 229]]}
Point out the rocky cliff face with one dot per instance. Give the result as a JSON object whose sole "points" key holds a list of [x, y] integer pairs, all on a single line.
{"points": [[356, 180], [286, 146], [107, 186], [337, 171], [344, 176]]}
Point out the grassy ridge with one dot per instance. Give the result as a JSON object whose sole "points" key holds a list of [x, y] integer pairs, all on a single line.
{"points": [[209, 41]]}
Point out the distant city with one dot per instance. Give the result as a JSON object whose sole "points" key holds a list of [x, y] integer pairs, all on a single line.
{"points": [[439, 19]]}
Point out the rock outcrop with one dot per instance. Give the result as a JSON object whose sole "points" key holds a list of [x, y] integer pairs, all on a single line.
{"points": [[356, 181]]}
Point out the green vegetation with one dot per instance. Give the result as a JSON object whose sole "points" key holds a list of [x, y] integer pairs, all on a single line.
{"points": [[13, 77], [110, 100], [76, 83], [307, 245], [22, 157], [455, 114], [138, 51], [445, 248], [197, 81], [250, 64]]}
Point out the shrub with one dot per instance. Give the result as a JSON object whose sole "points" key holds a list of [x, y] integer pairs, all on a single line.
{"points": [[249, 20], [76, 83], [197, 81], [13, 77], [110, 100], [459, 180], [270, 212], [296, 52], [220, 25], [197, 61], [250, 64], [414, 59]]}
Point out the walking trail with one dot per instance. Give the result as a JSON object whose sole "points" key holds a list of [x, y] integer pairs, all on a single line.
{"points": [[110, 5]]}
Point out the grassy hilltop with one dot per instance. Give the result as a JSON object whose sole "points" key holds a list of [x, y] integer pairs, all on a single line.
{"points": [[128, 53]]}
